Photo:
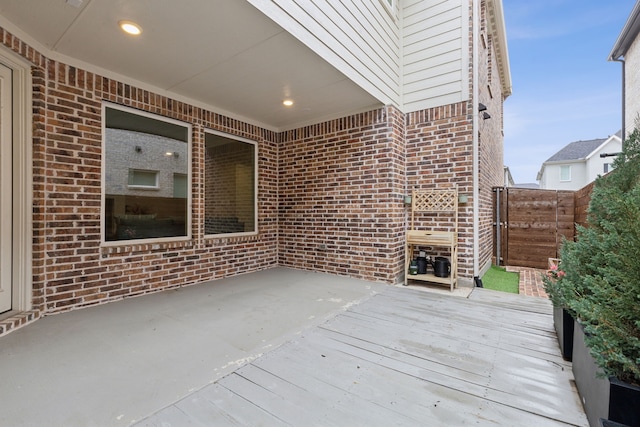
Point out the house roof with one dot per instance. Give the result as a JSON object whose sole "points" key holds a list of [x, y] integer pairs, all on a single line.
{"points": [[627, 35], [576, 150]]}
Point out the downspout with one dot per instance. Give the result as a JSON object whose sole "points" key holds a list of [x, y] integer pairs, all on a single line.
{"points": [[475, 95]]}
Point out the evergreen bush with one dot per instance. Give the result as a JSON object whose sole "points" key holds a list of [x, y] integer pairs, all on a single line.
{"points": [[601, 282]]}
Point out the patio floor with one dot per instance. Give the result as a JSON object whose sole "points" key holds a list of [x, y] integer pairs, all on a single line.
{"points": [[286, 347]]}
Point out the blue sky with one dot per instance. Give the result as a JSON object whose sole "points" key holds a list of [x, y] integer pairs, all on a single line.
{"points": [[564, 89]]}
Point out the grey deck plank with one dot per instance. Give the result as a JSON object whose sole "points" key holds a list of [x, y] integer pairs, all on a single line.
{"points": [[218, 405], [459, 328], [490, 387], [387, 381], [407, 357], [398, 400], [169, 417]]}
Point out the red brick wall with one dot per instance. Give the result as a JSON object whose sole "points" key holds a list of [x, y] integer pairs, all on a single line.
{"points": [[71, 268], [490, 139], [330, 195], [439, 155], [341, 188]]}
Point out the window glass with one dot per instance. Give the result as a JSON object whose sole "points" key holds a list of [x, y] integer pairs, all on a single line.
{"points": [[143, 179], [146, 169], [180, 186], [230, 185], [565, 173]]}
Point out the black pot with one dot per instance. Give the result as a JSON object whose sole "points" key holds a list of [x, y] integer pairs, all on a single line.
{"points": [[422, 265], [441, 267], [624, 400], [563, 323]]}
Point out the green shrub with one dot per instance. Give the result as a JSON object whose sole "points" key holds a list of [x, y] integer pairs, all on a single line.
{"points": [[601, 285]]}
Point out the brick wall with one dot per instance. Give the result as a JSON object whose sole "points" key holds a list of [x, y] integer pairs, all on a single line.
{"points": [[490, 139], [341, 188], [70, 267], [439, 155], [330, 195]]}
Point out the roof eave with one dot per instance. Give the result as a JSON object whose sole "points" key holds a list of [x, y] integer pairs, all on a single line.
{"points": [[499, 30], [627, 35], [604, 144]]}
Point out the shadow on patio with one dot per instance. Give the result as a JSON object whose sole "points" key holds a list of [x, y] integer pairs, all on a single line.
{"points": [[286, 347]]}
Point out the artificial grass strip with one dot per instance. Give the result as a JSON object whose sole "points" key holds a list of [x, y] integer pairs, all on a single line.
{"points": [[498, 279]]}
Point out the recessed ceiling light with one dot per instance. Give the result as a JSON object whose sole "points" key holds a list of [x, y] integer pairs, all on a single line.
{"points": [[287, 102], [130, 27]]}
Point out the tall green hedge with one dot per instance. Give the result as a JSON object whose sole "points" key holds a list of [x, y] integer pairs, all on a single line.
{"points": [[601, 282]]}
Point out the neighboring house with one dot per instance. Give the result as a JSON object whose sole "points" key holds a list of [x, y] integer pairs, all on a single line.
{"points": [[627, 51], [579, 163], [508, 179], [294, 130]]}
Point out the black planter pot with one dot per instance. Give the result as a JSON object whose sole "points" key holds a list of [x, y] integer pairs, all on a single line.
{"points": [[624, 403], [609, 423], [594, 390], [564, 324], [604, 399]]}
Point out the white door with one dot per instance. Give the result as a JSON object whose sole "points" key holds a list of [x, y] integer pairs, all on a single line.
{"points": [[6, 197]]}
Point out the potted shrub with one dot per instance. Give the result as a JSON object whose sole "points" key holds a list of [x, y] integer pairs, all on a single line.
{"points": [[601, 284], [562, 316]]}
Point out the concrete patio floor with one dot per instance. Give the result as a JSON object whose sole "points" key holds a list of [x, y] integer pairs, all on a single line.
{"points": [[287, 347]]}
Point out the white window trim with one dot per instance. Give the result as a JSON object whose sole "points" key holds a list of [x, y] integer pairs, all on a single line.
{"points": [[255, 185], [391, 7], [568, 179], [189, 127]]}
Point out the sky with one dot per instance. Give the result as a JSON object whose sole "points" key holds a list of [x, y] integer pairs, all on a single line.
{"points": [[564, 88]]}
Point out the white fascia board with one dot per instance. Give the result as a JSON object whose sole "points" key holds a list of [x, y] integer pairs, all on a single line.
{"points": [[604, 144]]}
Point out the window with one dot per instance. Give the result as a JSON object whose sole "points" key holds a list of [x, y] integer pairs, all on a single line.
{"points": [[146, 165], [608, 167], [565, 173], [230, 185], [143, 179]]}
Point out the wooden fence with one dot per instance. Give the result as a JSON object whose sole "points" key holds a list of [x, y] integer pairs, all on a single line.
{"points": [[530, 225]]}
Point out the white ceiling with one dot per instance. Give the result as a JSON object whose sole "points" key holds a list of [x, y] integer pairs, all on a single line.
{"points": [[222, 54]]}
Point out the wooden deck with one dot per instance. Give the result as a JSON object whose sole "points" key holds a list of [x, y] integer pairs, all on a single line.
{"points": [[404, 357]]}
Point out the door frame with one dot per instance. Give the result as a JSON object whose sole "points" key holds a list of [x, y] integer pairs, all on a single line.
{"points": [[22, 199]]}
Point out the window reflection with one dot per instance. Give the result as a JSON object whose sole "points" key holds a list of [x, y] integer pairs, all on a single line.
{"points": [[230, 185], [145, 177]]}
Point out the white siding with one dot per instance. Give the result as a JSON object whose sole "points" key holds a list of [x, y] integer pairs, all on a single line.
{"points": [[595, 163], [551, 177], [360, 38], [435, 47], [632, 86]]}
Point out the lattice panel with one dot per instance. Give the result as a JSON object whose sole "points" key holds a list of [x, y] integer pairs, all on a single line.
{"points": [[435, 201]]}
